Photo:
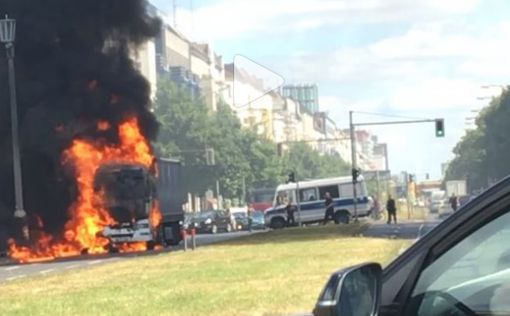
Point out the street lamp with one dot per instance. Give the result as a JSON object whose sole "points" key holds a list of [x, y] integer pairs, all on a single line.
{"points": [[7, 37]]}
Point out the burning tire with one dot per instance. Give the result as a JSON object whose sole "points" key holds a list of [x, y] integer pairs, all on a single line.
{"points": [[112, 248], [151, 244]]}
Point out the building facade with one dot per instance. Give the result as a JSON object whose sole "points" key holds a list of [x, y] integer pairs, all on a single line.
{"points": [[306, 94]]}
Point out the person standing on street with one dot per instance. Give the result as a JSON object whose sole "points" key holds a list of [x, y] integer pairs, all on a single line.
{"points": [[233, 222], [454, 202], [330, 210], [392, 209], [376, 209]]}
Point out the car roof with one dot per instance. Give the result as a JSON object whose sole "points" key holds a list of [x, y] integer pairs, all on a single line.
{"points": [[316, 182]]}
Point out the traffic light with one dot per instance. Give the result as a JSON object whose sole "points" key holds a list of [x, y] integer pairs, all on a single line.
{"points": [[291, 178], [355, 175], [439, 127]]}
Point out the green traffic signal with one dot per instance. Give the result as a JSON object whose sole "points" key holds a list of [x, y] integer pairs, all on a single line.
{"points": [[439, 127]]}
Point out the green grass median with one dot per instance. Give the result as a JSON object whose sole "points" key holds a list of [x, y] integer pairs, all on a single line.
{"points": [[275, 273]]}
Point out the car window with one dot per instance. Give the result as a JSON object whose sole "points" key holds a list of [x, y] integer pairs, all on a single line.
{"points": [[332, 189], [309, 194], [286, 196], [346, 190], [472, 276]]}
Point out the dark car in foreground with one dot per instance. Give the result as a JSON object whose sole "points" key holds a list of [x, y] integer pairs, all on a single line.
{"points": [[461, 268], [212, 222]]}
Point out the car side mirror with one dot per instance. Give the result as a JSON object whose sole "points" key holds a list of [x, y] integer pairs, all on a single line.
{"points": [[354, 291]]}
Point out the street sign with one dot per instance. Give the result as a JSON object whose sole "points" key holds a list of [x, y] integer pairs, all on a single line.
{"points": [[384, 175]]}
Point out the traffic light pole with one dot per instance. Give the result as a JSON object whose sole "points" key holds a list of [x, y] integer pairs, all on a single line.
{"points": [[352, 127], [395, 122], [298, 200], [354, 167]]}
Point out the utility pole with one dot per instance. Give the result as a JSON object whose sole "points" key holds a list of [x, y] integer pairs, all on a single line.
{"points": [[298, 200], [378, 184], [354, 167], [218, 193], [244, 191], [7, 37]]}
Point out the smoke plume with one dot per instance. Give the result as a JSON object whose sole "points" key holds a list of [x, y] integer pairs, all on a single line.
{"points": [[73, 69]]}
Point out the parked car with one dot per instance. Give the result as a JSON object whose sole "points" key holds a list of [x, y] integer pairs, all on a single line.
{"points": [[212, 221], [242, 221], [461, 267], [257, 221], [438, 200]]}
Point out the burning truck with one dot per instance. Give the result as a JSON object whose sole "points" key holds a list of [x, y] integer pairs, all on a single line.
{"points": [[126, 199], [86, 124], [146, 207]]}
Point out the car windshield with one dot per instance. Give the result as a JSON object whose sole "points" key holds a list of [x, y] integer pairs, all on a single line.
{"points": [[126, 124], [205, 215]]}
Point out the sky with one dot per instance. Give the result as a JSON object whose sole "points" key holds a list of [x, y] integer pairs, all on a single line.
{"points": [[403, 59]]}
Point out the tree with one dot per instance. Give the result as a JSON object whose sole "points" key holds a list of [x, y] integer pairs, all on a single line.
{"points": [[309, 164], [480, 156], [243, 159], [184, 126], [188, 129]]}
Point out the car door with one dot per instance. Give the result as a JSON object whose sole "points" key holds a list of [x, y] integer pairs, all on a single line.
{"points": [[464, 271], [309, 204], [222, 218]]}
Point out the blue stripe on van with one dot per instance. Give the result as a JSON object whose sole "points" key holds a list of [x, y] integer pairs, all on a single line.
{"points": [[313, 205]]}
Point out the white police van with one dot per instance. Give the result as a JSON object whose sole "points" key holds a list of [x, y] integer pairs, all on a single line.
{"points": [[312, 203]]}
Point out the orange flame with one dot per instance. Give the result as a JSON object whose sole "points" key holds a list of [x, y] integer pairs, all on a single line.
{"points": [[87, 219], [155, 216]]}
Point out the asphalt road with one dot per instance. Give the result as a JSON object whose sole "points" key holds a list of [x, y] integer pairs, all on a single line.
{"points": [[404, 229], [13, 271]]}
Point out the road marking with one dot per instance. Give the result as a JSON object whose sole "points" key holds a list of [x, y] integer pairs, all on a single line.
{"points": [[11, 268], [15, 277], [74, 266], [46, 271], [94, 262]]}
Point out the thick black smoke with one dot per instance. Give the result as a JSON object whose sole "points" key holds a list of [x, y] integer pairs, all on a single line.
{"points": [[73, 68]]}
